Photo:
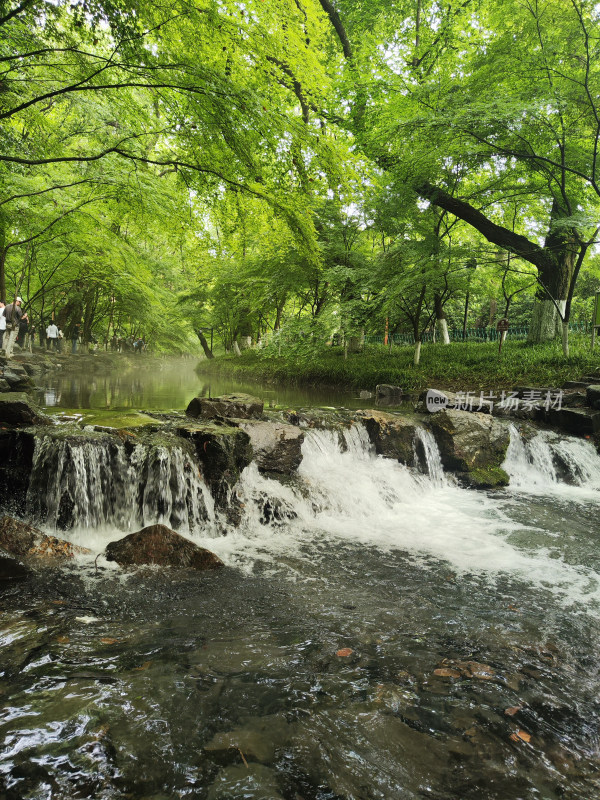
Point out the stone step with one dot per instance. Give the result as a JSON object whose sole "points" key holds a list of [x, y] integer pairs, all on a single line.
{"points": [[575, 385], [580, 421]]}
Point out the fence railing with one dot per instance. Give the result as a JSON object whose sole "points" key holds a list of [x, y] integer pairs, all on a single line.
{"points": [[472, 334]]}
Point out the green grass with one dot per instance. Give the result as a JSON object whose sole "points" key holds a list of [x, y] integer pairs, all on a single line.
{"points": [[459, 366]]}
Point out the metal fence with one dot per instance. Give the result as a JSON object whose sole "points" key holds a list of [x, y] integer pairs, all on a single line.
{"points": [[472, 334]]}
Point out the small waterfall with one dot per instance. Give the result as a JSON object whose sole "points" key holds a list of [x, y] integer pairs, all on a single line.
{"points": [[547, 460], [88, 483], [428, 455]]}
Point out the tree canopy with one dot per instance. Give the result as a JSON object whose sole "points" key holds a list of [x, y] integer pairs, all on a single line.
{"points": [[249, 166]]}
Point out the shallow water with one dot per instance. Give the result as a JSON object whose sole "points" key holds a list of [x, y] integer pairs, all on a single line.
{"points": [[471, 617], [169, 385]]}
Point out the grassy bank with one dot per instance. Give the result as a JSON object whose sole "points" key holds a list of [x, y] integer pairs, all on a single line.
{"points": [[459, 366]]}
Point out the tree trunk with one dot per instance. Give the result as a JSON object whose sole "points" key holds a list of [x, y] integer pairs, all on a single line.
{"points": [[417, 355], [441, 323], [3, 274], [565, 338], [207, 351], [554, 280]]}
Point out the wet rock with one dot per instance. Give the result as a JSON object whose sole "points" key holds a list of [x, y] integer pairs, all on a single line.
{"points": [[238, 406], [16, 460], [159, 545], [223, 452], [273, 510], [276, 447], [12, 568], [253, 781], [23, 540], [17, 409], [471, 442], [4, 385], [483, 478], [579, 421], [387, 390], [365, 394], [574, 385], [15, 376], [592, 394], [574, 400], [391, 434]]}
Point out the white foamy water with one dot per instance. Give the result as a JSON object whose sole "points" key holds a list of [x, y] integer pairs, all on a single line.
{"points": [[344, 494], [100, 483], [349, 495], [553, 464]]}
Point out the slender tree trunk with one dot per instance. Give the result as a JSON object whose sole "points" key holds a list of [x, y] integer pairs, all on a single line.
{"points": [[466, 315], [441, 323], [3, 274], [565, 338], [417, 353], [207, 351]]}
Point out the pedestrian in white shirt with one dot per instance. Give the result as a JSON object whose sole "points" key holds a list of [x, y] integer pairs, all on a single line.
{"points": [[52, 336]]}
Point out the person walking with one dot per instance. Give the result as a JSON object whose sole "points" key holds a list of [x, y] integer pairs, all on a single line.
{"points": [[23, 328], [13, 314], [75, 334], [52, 336], [2, 322]]}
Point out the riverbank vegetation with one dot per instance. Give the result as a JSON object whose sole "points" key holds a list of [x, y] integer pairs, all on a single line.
{"points": [[223, 172], [458, 366]]}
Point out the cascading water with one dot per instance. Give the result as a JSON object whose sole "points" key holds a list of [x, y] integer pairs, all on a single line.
{"points": [[427, 453], [547, 461], [389, 635], [345, 492], [99, 482]]}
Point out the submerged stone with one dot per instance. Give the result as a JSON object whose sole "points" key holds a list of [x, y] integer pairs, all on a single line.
{"points": [[238, 406], [254, 781], [159, 545], [11, 568]]}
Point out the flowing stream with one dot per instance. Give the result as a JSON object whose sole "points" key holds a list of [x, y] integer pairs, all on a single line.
{"points": [[379, 633]]}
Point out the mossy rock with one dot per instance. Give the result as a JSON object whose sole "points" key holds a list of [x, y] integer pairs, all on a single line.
{"points": [[484, 478]]}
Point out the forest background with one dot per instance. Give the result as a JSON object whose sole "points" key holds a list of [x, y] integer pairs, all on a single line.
{"points": [[301, 174]]}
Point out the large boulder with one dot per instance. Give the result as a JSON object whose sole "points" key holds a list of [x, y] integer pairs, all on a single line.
{"points": [[238, 406], [223, 452], [473, 445], [11, 568], [276, 446], [17, 409], [392, 435], [23, 540], [158, 544]]}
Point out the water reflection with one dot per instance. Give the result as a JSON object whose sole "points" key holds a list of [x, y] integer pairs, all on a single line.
{"points": [[170, 384]]}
